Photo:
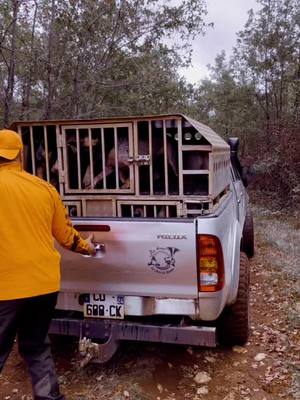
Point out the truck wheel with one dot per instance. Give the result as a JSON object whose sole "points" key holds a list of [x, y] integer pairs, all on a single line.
{"points": [[234, 323], [248, 235]]}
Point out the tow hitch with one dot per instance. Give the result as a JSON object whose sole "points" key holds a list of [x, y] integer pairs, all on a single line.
{"points": [[99, 340], [97, 352]]}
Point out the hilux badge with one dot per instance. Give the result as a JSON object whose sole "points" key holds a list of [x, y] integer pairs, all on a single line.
{"points": [[171, 236], [162, 259]]}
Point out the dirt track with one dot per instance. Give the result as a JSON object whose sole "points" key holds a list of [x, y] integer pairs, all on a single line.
{"points": [[268, 367]]}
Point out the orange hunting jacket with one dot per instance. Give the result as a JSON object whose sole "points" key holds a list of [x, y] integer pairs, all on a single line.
{"points": [[31, 215]]}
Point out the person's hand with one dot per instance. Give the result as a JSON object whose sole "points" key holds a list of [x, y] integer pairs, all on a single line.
{"points": [[92, 249]]}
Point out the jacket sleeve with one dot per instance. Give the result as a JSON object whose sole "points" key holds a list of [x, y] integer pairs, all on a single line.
{"points": [[62, 228]]}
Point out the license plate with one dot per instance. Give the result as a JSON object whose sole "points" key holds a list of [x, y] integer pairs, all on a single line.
{"points": [[104, 306]]}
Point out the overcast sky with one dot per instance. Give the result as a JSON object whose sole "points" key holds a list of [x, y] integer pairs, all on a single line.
{"points": [[229, 17]]}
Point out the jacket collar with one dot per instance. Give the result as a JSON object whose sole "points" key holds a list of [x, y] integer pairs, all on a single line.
{"points": [[15, 166]]}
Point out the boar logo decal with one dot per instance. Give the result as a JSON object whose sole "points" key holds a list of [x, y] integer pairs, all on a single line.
{"points": [[162, 259]]}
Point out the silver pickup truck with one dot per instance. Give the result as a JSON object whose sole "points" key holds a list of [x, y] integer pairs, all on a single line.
{"points": [[165, 200]]}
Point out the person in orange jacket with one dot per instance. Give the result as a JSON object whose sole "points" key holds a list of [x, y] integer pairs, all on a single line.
{"points": [[32, 215]]}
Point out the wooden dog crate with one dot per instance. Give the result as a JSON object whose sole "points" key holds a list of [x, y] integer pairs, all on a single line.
{"points": [[153, 166]]}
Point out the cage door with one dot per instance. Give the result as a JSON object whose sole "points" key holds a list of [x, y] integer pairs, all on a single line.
{"points": [[97, 158], [157, 156]]}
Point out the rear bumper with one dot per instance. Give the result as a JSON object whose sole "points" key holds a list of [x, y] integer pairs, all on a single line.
{"points": [[136, 331], [206, 308]]}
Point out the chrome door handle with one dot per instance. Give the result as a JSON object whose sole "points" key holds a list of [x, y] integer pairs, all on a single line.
{"points": [[99, 247], [100, 251]]}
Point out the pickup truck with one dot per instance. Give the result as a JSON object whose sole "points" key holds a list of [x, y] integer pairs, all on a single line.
{"points": [[171, 224]]}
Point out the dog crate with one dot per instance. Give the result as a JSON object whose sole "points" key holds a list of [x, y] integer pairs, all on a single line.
{"points": [[153, 166]]}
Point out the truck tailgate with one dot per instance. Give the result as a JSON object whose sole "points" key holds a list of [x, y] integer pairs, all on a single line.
{"points": [[141, 258]]}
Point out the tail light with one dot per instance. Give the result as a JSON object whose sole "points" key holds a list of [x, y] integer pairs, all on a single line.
{"points": [[210, 263]]}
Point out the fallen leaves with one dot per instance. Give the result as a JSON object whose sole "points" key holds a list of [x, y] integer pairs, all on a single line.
{"points": [[202, 377], [239, 349], [267, 368], [260, 357]]}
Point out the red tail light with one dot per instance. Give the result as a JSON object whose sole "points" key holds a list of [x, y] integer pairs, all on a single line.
{"points": [[210, 263]]}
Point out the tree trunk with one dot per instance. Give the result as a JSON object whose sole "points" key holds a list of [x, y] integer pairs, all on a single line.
{"points": [[27, 85], [50, 67], [9, 88], [297, 94]]}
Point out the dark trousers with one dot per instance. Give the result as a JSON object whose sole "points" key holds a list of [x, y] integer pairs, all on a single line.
{"points": [[29, 319]]}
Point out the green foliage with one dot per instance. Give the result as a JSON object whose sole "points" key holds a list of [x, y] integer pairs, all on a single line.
{"points": [[225, 104], [88, 58], [267, 56], [255, 95]]}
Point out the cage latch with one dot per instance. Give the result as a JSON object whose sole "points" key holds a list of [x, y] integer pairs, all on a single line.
{"points": [[140, 160]]}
